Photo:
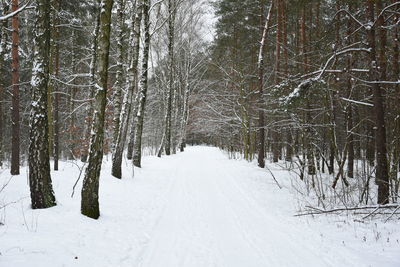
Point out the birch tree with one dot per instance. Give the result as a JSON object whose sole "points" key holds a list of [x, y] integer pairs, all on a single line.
{"points": [[90, 189], [42, 195], [143, 85], [128, 104]]}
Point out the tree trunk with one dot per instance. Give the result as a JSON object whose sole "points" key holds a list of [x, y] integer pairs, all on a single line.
{"points": [[42, 195], [396, 128], [90, 189], [128, 107], [349, 107], [382, 176], [137, 157], [171, 33], [56, 108], [72, 130], [3, 51], [120, 69], [261, 116], [15, 116], [89, 107], [275, 134]]}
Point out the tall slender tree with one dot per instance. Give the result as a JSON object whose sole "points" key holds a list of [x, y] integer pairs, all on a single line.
{"points": [[15, 116], [261, 119], [3, 51], [120, 69], [143, 85], [376, 72], [171, 34], [56, 72], [90, 189], [128, 105], [92, 88], [42, 195]]}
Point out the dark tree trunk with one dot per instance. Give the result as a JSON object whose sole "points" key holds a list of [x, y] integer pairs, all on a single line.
{"points": [[349, 108], [131, 142], [56, 105], [261, 115], [171, 33], [42, 195], [15, 116], [3, 51], [90, 189], [382, 176]]}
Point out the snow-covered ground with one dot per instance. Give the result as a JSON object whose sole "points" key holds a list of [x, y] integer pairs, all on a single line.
{"points": [[196, 208]]}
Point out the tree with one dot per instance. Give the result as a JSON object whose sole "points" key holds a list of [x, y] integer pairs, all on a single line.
{"points": [[15, 116], [42, 195], [56, 72], [92, 81], [261, 119], [128, 105], [3, 52], [90, 189], [143, 85], [120, 70], [377, 74], [171, 33]]}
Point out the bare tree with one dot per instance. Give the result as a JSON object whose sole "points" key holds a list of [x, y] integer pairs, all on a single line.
{"points": [[90, 189], [42, 195], [143, 85]]}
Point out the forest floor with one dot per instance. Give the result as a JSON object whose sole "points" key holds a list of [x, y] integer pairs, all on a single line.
{"points": [[196, 208]]}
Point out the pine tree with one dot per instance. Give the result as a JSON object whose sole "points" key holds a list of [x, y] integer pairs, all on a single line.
{"points": [[15, 115]]}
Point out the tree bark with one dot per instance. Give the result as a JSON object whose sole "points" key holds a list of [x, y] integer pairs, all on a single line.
{"points": [[261, 115], [349, 107], [42, 195], [171, 33], [90, 189], [15, 116], [137, 156], [128, 107], [120, 72], [3, 52], [56, 106], [382, 176], [89, 107]]}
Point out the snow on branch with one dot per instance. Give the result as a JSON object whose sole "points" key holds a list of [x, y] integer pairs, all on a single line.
{"points": [[16, 12], [317, 211], [264, 36], [305, 84], [357, 102]]}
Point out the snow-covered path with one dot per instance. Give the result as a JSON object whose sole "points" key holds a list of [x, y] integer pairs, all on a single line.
{"points": [[196, 208], [209, 220]]}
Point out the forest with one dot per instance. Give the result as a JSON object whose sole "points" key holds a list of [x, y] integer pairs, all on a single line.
{"points": [[306, 93]]}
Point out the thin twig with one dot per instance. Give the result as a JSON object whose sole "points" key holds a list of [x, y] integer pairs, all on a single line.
{"points": [[273, 176]]}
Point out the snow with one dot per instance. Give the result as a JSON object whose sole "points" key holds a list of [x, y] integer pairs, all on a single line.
{"points": [[196, 208]]}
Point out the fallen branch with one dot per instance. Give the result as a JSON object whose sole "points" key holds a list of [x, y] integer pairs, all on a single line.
{"points": [[13, 202], [317, 211], [79, 177], [273, 176], [5, 185]]}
